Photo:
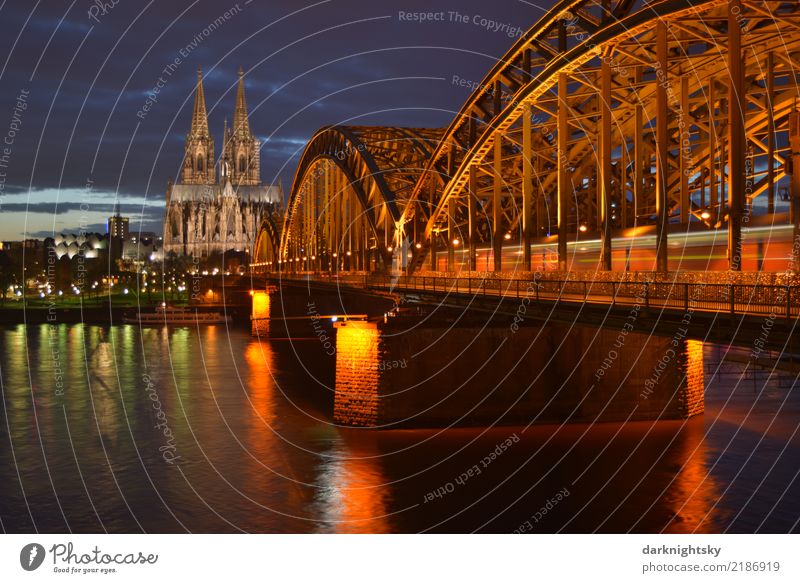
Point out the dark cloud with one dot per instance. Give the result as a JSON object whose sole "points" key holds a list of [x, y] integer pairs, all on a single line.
{"points": [[60, 208], [136, 227]]}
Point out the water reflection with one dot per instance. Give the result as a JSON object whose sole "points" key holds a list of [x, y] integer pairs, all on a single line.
{"points": [[259, 451], [353, 491], [694, 491]]}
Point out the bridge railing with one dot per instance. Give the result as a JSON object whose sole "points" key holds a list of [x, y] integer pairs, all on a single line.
{"points": [[773, 301], [769, 300]]}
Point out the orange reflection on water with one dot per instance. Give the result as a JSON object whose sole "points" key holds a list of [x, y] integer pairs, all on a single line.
{"points": [[354, 491], [259, 357], [693, 496], [694, 493]]}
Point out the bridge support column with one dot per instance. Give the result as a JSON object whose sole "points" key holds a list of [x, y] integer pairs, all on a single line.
{"points": [[794, 140], [473, 185], [770, 133], [527, 185], [662, 148], [472, 193], [684, 159], [564, 186], [736, 143], [712, 151], [451, 230], [638, 158], [497, 205], [605, 166], [433, 258]]}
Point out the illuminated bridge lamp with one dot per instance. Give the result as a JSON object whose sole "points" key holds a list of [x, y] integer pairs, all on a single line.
{"points": [[390, 249], [348, 253], [418, 245], [456, 242], [583, 228], [507, 236], [705, 215]]}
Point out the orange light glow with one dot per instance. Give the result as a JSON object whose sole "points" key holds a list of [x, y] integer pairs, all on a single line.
{"points": [[260, 305], [356, 398]]}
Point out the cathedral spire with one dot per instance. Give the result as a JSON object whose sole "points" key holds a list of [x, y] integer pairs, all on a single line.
{"points": [[199, 116], [198, 161], [241, 124]]}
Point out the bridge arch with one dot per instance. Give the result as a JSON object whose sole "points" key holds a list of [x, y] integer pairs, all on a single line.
{"points": [[612, 116], [347, 195], [266, 251]]}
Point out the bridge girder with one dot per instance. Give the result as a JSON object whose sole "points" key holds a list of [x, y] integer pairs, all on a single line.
{"points": [[581, 63]]}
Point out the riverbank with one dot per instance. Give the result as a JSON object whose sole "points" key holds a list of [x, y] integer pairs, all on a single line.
{"points": [[98, 314]]}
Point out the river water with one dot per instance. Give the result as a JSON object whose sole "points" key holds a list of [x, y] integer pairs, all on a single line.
{"points": [[122, 429]]}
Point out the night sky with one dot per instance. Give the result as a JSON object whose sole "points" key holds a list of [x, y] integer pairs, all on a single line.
{"points": [[81, 138]]}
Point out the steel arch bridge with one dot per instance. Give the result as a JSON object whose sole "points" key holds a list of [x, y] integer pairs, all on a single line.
{"points": [[607, 125]]}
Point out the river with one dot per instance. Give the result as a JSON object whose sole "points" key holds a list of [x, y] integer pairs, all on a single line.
{"points": [[122, 429]]}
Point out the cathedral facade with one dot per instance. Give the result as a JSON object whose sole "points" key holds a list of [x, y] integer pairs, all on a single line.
{"points": [[218, 205]]}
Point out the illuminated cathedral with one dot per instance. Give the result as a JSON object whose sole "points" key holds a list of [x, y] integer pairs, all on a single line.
{"points": [[218, 205]]}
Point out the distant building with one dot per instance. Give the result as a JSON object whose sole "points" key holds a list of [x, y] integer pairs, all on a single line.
{"points": [[118, 226], [209, 214], [86, 245], [141, 247], [71, 259]]}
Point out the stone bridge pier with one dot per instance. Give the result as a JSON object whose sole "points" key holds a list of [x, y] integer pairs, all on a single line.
{"points": [[417, 373]]}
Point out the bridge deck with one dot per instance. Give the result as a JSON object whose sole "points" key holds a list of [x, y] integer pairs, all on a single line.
{"points": [[772, 301]]}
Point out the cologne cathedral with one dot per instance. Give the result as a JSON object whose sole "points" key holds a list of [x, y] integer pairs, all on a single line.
{"points": [[218, 206]]}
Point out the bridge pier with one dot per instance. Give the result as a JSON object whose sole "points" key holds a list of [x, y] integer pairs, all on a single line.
{"points": [[470, 375], [260, 313]]}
